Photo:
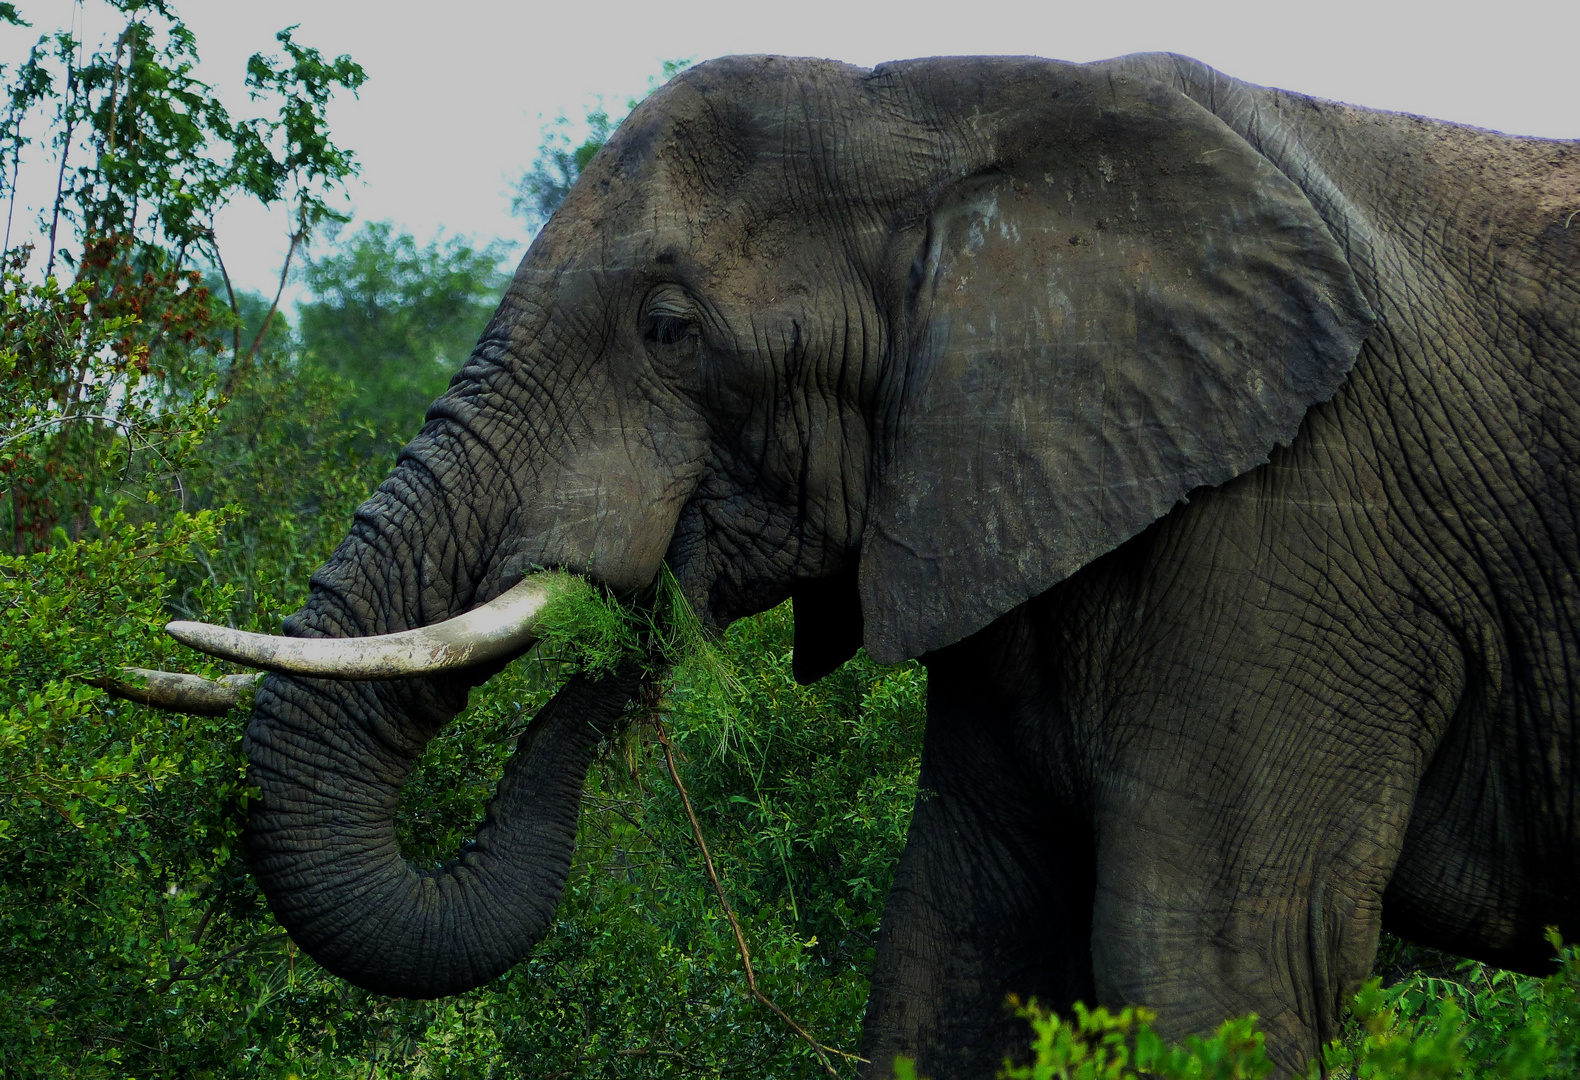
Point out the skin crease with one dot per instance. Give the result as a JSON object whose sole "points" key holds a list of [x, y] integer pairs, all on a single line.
{"points": [[1224, 732]]}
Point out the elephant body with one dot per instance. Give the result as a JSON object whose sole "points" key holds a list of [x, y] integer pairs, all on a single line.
{"points": [[1331, 696], [1216, 448]]}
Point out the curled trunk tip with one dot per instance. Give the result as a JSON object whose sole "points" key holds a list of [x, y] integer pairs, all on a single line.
{"points": [[322, 842]]}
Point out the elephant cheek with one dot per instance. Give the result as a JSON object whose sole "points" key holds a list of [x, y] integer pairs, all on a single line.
{"points": [[628, 558], [625, 528]]}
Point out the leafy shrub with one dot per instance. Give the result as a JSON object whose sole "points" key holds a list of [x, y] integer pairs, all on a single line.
{"points": [[1101, 1045], [1482, 1022], [1485, 1024]]}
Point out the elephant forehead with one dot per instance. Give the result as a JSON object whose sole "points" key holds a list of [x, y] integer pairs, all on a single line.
{"points": [[730, 154], [731, 251]]}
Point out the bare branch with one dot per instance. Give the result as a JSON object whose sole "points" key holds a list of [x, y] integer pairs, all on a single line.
{"points": [[235, 311], [268, 939], [818, 1048], [285, 269], [126, 429]]}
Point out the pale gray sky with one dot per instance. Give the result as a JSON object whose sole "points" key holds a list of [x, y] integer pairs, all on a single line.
{"points": [[457, 92]]}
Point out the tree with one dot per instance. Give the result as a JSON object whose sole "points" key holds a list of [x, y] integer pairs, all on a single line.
{"points": [[397, 320], [146, 155], [130, 942], [159, 153]]}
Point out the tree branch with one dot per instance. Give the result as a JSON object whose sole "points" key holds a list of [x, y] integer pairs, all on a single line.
{"points": [[818, 1048], [230, 295], [60, 179], [285, 268], [231, 955]]}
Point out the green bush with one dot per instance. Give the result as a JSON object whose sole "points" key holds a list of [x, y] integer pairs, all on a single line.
{"points": [[1478, 1022], [1100, 1045], [1482, 1024]]}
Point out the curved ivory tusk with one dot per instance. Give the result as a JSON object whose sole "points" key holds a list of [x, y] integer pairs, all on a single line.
{"points": [[501, 627], [174, 691]]}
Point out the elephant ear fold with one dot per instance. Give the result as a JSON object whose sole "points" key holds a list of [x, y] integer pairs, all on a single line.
{"points": [[1132, 304]]}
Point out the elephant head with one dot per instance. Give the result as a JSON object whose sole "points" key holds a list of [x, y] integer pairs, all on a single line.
{"points": [[910, 345]]}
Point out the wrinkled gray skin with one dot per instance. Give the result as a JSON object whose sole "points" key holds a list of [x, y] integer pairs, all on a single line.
{"points": [[1215, 447]]}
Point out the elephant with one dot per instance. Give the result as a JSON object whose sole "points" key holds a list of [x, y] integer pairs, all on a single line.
{"points": [[1216, 448]]}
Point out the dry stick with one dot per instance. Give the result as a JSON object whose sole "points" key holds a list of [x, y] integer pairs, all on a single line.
{"points": [[818, 1048], [230, 294], [285, 268], [60, 180]]}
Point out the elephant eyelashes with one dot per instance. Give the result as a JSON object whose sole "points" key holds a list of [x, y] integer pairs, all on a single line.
{"points": [[669, 318], [667, 329]]}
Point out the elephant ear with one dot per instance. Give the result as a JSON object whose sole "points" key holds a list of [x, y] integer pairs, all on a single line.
{"points": [[1128, 304]]}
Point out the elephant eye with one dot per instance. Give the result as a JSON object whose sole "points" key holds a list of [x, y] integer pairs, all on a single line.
{"points": [[669, 317], [667, 328]]}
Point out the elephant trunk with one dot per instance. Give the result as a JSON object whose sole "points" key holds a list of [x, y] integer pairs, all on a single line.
{"points": [[322, 840], [448, 530]]}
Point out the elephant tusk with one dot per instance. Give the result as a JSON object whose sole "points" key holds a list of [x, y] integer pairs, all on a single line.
{"points": [[502, 627], [174, 691]]}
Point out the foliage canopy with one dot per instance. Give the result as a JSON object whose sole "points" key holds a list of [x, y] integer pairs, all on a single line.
{"points": [[396, 320]]}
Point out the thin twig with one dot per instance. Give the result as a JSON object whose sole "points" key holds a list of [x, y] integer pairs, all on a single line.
{"points": [[651, 1052], [616, 806], [72, 83], [60, 180], [16, 168], [230, 293], [285, 269], [818, 1048], [126, 429], [208, 913], [231, 955], [115, 81]]}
